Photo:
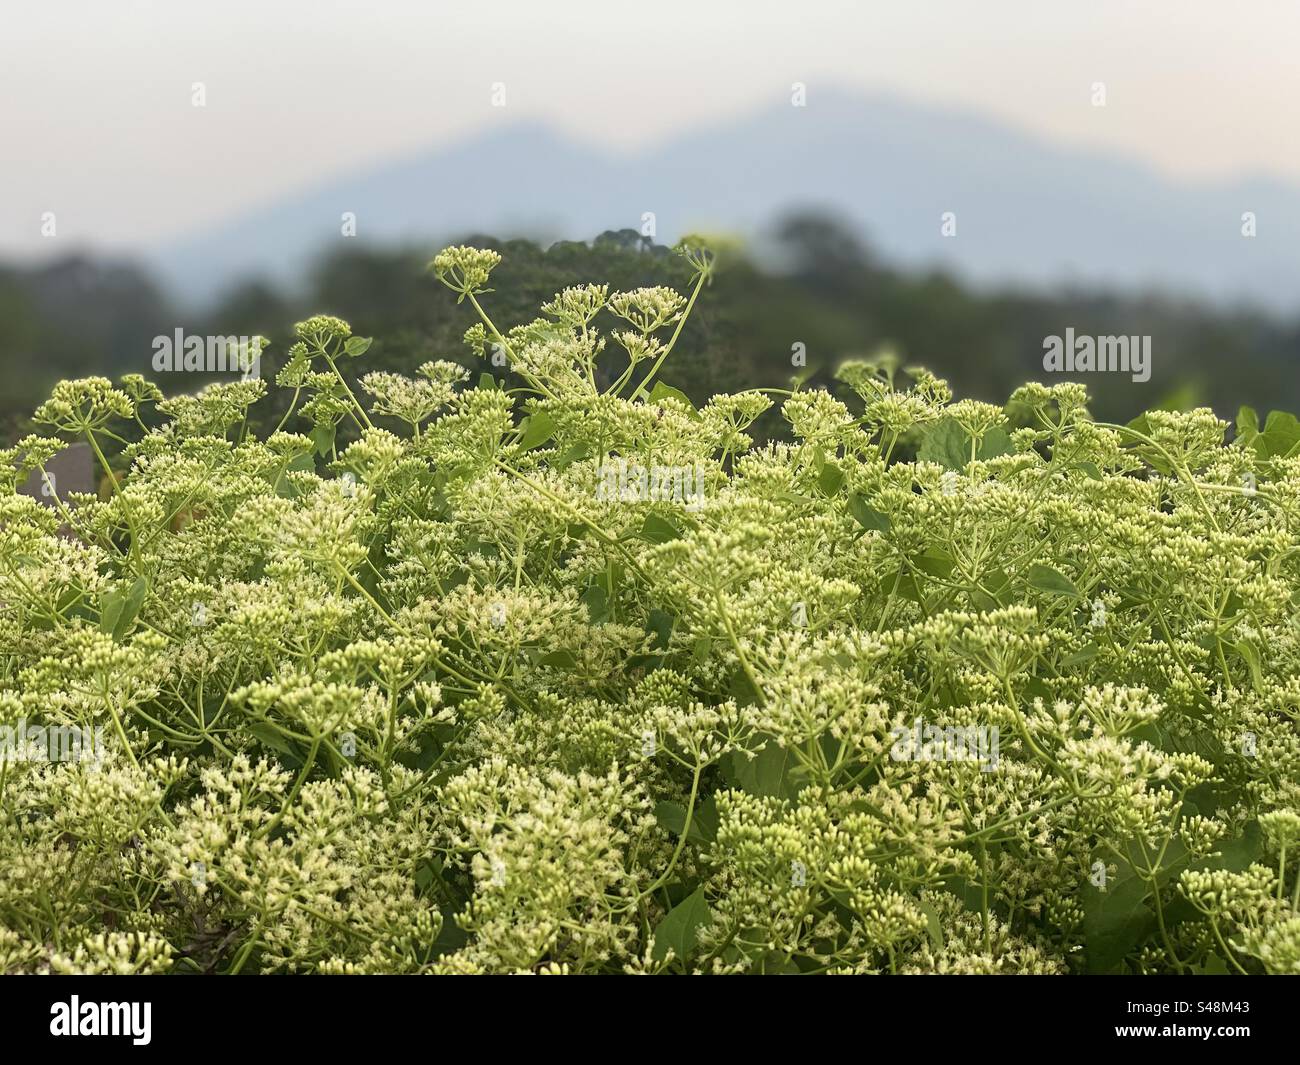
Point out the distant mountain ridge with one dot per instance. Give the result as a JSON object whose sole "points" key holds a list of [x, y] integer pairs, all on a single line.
{"points": [[1027, 212]]}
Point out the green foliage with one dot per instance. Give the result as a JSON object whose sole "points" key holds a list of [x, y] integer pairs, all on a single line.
{"points": [[563, 673], [76, 317]]}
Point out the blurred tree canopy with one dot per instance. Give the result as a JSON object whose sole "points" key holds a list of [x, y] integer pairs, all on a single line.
{"points": [[816, 285]]}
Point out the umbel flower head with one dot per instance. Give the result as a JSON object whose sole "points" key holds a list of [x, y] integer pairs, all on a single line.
{"points": [[84, 405], [465, 270]]}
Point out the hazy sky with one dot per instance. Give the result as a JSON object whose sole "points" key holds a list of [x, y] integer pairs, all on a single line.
{"points": [[97, 123]]}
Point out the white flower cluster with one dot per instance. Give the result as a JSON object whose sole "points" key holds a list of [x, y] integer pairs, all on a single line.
{"points": [[399, 688]]}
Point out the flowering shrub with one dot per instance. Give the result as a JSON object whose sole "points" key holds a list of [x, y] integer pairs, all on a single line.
{"points": [[932, 687]]}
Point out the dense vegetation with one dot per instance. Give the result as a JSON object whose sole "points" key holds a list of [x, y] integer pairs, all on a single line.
{"points": [[812, 283], [560, 671]]}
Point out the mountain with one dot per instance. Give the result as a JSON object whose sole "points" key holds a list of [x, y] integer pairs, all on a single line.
{"points": [[1027, 212]]}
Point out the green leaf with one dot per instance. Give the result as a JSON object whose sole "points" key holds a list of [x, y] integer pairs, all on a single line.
{"points": [[323, 437], [767, 773], [933, 926], [661, 623], [662, 391], [1237, 854], [110, 611], [741, 688], [596, 597], [776, 963], [1084, 654], [269, 736], [452, 937], [658, 530], [831, 479], [704, 822], [996, 582], [1249, 653], [424, 875], [946, 443], [576, 453], [1150, 455], [119, 609], [935, 562], [1048, 580], [1247, 424], [1281, 435], [868, 517], [538, 428], [996, 442], [680, 927], [355, 346], [558, 660], [904, 584], [134, 601], [304, 463], [1116, 920]]}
